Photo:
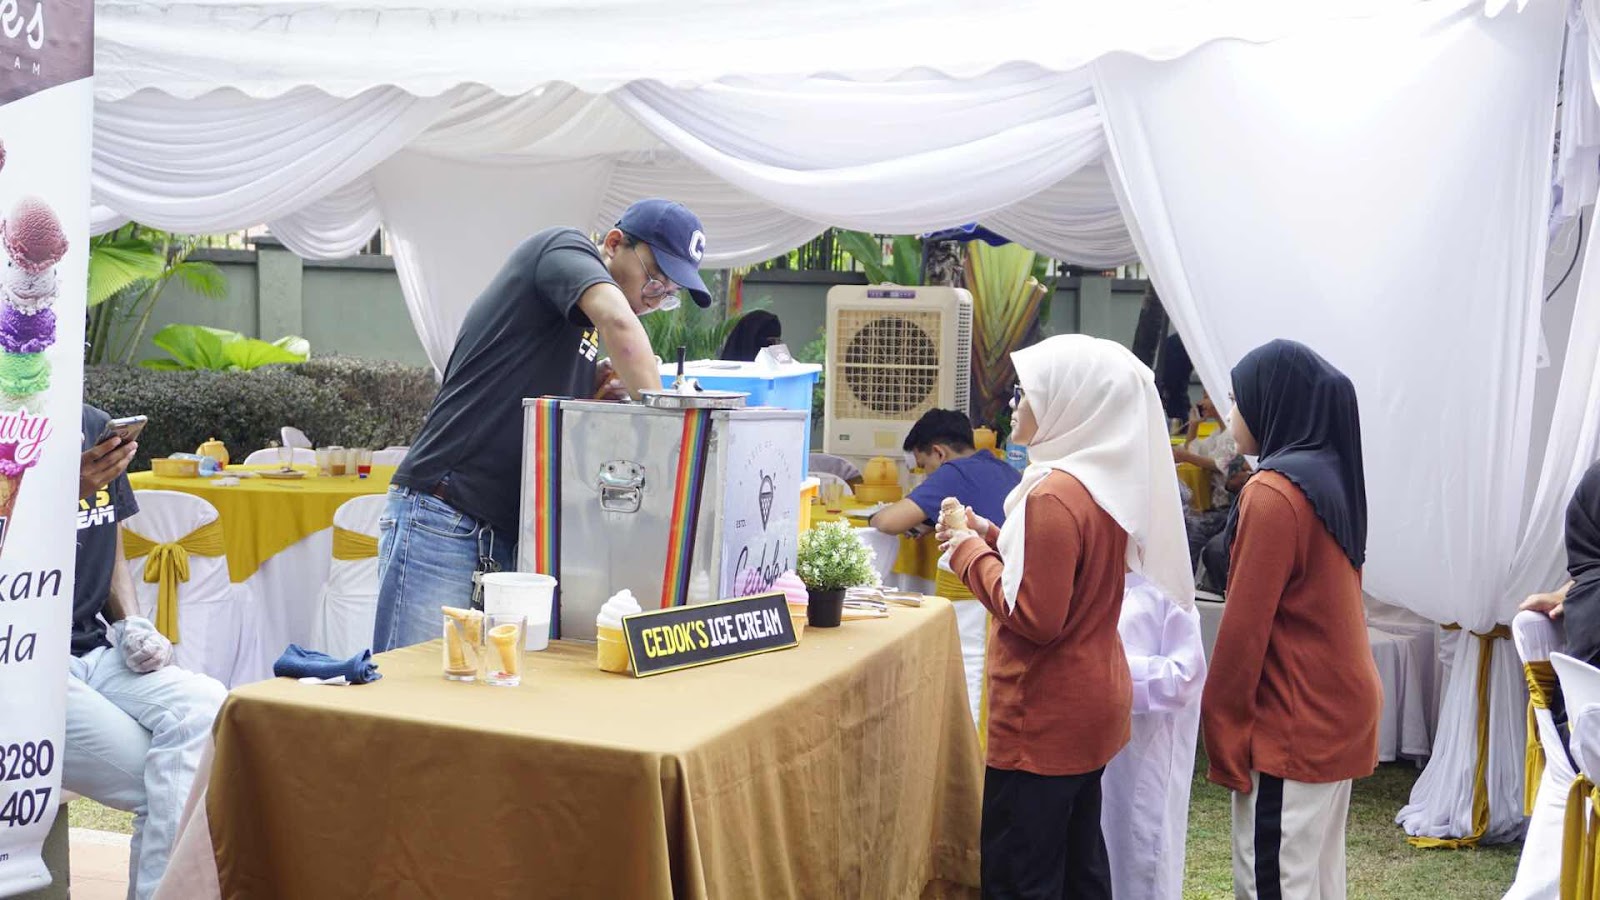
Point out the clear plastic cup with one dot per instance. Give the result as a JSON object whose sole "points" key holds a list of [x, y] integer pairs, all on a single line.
{"points": [[363, 462], [504, 634], [463, 651]]}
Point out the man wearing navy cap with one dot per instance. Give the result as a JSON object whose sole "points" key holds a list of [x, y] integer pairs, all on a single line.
{"points": [[535, 331]]}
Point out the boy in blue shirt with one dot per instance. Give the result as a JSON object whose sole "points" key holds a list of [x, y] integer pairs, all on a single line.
{"points": [[941, 443]]}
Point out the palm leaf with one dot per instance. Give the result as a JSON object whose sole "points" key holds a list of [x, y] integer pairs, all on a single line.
{"points": [[866, 249], [202, 278], [117, 265]]}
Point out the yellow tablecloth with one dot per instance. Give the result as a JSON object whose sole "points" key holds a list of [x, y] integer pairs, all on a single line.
{"points": [[262, 517], [847, 767]]}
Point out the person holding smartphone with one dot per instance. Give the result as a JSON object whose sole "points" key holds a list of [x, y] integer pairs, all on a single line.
{"points": [[136, 724]]}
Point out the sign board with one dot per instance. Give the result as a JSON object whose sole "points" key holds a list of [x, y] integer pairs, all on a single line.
{"points": [[681, 637]]}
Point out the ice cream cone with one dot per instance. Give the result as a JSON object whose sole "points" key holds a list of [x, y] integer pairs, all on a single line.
{"points": [[10, 485], [797, 615], [611, 649], [505, 640], [461, 640]]}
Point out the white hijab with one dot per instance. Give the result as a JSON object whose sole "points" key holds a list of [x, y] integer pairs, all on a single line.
{"points": [[1101, 421]]}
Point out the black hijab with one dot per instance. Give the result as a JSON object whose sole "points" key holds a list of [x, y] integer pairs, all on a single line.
{"points": [[1581, 610], [756, 329], [1303, 414]]}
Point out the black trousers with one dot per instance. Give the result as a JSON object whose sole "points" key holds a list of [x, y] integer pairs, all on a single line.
{"points": [[1042, 838]]}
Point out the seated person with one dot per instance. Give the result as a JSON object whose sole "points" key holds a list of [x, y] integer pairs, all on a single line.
{"points": [[1577, 603], [942, 444], [755, 331], [136, 725], [1218, 456]]}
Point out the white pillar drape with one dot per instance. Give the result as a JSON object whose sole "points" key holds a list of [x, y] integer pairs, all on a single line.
{"points": [[1270, 200]]}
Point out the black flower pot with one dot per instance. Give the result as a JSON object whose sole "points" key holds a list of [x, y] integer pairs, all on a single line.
{"points": [[825, 609]]}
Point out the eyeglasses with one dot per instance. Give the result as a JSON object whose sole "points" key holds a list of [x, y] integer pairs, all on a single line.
{"points": [[661, 292], [1016, 396]]}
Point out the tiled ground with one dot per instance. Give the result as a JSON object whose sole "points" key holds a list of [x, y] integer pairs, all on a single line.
{"points": [[99, 865]]}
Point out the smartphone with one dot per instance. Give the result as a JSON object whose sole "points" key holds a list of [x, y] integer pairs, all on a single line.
{"points": [[128, 429]]}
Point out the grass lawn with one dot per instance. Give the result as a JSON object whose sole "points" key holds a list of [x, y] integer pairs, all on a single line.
{"points": [[1381, 865]]}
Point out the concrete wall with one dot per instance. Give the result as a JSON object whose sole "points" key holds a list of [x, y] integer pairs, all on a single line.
{"points": [[353, 307]]}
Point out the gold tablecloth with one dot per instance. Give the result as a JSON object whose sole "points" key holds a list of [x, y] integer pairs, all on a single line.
{"points": [[847, 767], [263, 517]]}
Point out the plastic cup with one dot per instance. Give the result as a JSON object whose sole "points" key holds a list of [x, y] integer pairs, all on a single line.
{"points": [[324, 462], [463, 644], [337, 462], [526, 594], [363, 462], [611, 650], [503, 649]]}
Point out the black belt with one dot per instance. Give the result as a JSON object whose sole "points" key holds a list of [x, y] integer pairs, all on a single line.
{"points": [[439, 491]]}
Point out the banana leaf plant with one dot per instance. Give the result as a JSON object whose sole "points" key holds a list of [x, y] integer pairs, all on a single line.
{"points": [[196, 347], [1006, 295], [129, 270]]}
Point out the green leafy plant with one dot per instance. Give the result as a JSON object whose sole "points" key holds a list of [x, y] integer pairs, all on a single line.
{"points": [[905, 261], [832, 557], [129, 270], [193, 347]]}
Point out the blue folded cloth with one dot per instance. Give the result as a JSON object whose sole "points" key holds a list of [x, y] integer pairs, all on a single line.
{"points": [[298, 662]]}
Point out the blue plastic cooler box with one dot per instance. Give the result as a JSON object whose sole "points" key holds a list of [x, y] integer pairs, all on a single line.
{"points": [[787, 387]]}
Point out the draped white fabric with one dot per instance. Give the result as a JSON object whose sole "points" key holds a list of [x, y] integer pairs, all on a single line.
{"points": [[189, 47], [1317, 214]]}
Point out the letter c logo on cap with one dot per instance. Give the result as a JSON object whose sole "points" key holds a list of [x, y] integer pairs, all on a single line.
{"points": [[697, 245]]}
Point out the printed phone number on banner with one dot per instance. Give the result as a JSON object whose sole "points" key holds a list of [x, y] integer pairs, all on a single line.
{"points": [[24, 762]]}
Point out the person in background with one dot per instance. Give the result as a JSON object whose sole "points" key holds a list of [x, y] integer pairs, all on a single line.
{"points": [[136, 724], [1218, 456], [755, 331], [1098, 498], [1146, 787], [1577, 603], [941, 445], [534, 332], [1291, 704], [1173, 369]]}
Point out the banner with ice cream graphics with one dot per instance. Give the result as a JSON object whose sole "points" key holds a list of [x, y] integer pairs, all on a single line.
{"points": [[761, 505], [46, 109]]}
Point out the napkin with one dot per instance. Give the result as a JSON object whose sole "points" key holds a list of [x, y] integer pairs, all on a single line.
{"points": [[298, 662]]}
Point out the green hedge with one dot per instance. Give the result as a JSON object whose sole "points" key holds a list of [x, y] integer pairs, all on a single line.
{"points": [[334, 400]]}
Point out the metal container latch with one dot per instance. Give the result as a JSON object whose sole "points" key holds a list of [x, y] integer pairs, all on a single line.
{"points": [[621, 486]]}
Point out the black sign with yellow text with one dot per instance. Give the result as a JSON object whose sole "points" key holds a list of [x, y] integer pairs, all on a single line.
{"points": [[683, 636]]}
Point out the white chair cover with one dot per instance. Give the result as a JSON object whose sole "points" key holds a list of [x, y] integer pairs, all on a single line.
{"points": [[349, 601], [885, 549], [1539, 871], [212, 612], [269, 457], [390, 456], [1403, 726], [294, 437]]}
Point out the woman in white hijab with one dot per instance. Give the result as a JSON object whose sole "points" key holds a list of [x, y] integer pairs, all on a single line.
{"points": [[1099, 498]]}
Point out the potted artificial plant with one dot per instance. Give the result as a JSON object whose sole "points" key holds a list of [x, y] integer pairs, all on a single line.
{"points": [[832, 559]]}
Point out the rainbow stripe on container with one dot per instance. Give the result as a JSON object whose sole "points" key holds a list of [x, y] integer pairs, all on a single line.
{"points": [[547, 498], [687, 490]]}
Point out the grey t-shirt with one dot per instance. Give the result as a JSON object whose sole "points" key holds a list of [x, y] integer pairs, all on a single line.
{"points": [[97, 546], [524, 336]]}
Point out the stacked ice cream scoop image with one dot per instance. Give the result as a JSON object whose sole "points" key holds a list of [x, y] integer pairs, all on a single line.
{"points": [[32, 242]]}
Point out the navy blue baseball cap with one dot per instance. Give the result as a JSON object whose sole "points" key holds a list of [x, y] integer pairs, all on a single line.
{"points": [[675, 237]]}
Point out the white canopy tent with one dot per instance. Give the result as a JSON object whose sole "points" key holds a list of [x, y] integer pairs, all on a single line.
{"points": [[1373, 178]]}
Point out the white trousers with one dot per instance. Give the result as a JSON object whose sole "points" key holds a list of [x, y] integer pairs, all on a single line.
{"points": [[133, 743], [1288, 840]]}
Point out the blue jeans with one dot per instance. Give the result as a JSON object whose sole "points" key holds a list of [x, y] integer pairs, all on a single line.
{"points": [[427, 552], [134, 743]]}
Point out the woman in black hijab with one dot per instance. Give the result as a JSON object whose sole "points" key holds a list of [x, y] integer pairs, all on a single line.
{"points": [[1578, 602], [756, 329], [1292, 701]]}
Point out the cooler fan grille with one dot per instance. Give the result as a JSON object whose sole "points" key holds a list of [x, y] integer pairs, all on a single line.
{"points": [[890, 367]]}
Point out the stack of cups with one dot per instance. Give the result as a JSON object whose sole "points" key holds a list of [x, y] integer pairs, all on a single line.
{"points": [[525, 594]]}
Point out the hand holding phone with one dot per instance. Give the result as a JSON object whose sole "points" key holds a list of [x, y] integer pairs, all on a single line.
{"points": [[128, 429]]}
